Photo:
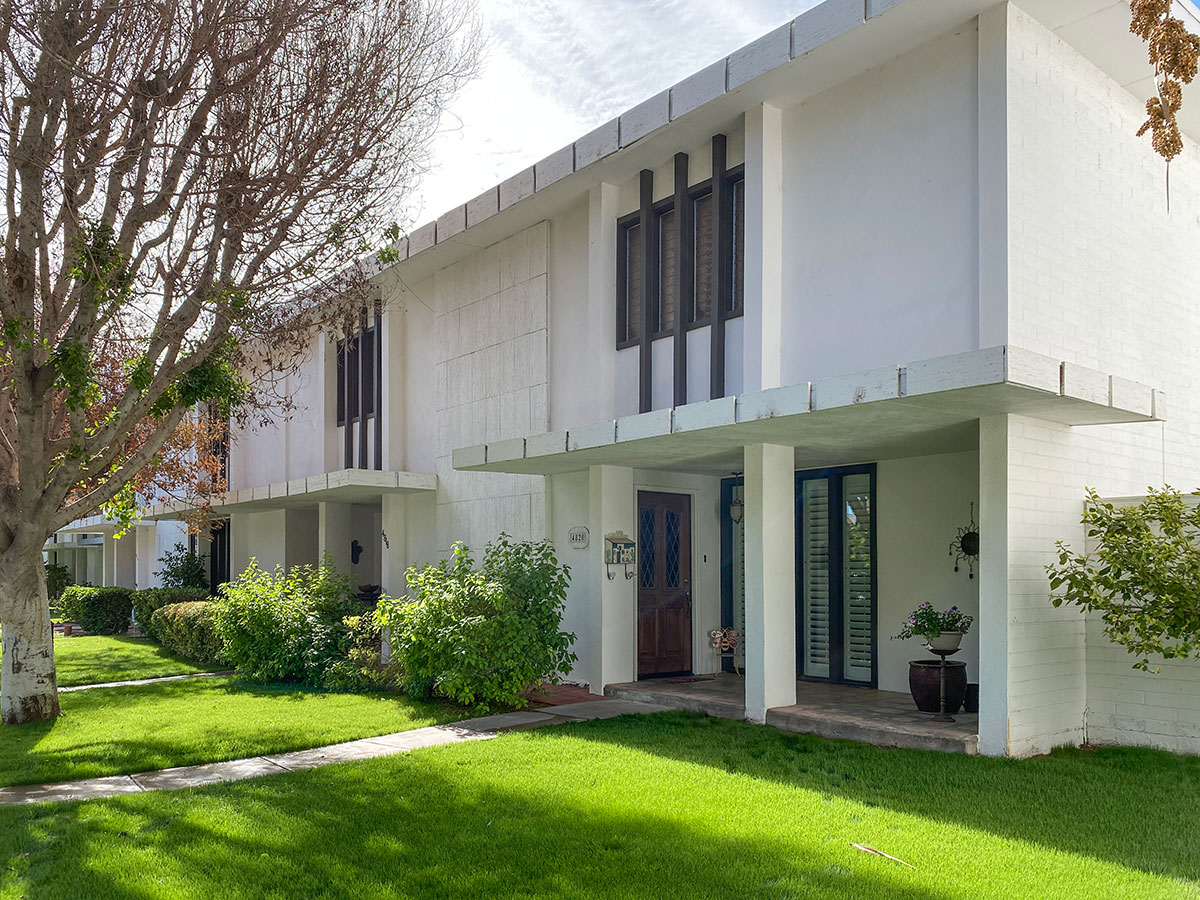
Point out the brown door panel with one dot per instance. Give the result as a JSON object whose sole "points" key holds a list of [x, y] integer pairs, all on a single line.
{"points": [[664, 583]]}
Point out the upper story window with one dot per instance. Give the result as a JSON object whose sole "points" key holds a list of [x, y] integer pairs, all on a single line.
{"points": [[635, 255], [356, 359]]}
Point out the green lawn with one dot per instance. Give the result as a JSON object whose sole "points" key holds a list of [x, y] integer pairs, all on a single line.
{"points": [[670, 806], [95, 659], [117, 731]]}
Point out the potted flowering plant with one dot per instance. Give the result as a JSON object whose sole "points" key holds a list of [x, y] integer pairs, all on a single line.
{"points": [[941, 630]]}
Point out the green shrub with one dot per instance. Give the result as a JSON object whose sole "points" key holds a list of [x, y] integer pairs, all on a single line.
{"points": [[482, 636], [286, 625], [360, 666], [189, 629], [58, 579], [147, 601], [99, 610], [182, 568]]}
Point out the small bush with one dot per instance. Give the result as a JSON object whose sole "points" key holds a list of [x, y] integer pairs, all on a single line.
{"points": [[286, 625], [482, 636], [182, 568], [58, 579], [361, 667], [189, 629], [99, 610], [147, 601]]}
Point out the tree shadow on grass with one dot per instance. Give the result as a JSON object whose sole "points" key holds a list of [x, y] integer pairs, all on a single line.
{"points": [[1134, 807], [427, 826]]}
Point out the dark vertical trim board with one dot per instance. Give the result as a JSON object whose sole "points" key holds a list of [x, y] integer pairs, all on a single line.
{"points": [[348, 458], [378, 386], [685, 274], [649, 292], [720, 270]]}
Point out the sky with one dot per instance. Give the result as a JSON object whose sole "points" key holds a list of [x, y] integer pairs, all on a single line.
{"points": [[556, 69]]}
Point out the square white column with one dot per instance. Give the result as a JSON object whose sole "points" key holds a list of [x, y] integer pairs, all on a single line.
{"points": [[109, 564], [992, 626], [770, 525], [612, 609], [334, 535], [763, 316]]}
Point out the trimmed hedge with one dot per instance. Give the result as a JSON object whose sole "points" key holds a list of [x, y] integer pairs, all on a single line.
{"points": [[146, 602], [189, 630], [98, 610]]}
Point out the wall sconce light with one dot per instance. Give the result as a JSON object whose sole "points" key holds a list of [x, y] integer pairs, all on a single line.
{"points": [[737, 509], [356, 550]]}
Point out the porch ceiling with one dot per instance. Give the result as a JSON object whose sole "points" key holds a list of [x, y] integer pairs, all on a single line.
{"points": [[921, 408]]}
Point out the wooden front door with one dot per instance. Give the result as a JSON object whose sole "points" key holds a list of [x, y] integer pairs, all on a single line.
{"points": [[664, 584]]}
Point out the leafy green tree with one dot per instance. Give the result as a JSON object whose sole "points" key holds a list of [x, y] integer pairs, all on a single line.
{"points": [[1142, 577], [182, 568], [185, 186]]}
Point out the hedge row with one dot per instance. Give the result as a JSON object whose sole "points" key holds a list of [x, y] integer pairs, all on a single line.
{"points": [[107, 610], [146, 602], [99, 610], [189, 630]]}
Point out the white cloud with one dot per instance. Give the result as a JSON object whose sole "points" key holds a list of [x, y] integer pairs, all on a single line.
{"points": [[555, 69]]}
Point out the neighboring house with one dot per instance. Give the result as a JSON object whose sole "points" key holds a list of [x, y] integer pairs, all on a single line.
{"points": [[889, 265]]}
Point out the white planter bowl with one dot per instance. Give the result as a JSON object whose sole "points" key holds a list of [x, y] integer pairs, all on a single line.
{"points": [[945, 641]]}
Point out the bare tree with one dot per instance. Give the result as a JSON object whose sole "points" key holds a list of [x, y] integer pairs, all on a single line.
{"points": [[185, 184]]}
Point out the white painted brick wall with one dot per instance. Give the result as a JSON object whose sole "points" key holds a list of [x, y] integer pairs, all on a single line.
{"points": [[1100, 275], [490, 332]]}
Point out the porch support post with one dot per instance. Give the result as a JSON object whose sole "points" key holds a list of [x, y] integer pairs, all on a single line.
{"points": [[993, 585], [109, 560], [333, 534], [612, 610], [770, 523], [394, 549]]}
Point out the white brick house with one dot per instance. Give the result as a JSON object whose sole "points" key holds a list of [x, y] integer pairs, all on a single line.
{"points": [[892, 260]]}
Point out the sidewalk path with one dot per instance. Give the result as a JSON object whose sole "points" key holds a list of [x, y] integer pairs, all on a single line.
{"points": [[141, 681], [366, 748]]}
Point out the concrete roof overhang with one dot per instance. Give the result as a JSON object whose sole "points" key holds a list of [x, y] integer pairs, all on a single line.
{"points": [[927, 407], [343, 486]]}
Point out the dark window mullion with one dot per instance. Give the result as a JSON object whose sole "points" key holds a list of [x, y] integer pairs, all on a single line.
{"points": [[716, 365], [684, 274]]}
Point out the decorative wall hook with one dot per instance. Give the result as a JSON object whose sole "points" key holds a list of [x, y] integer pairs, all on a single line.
{"points": [[619, 550]]}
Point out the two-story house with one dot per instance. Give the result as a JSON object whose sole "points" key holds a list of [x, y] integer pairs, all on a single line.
{"points": [[791, 326]]}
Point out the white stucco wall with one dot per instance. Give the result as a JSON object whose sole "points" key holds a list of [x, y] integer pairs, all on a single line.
{"points": [[490, 337], [921, 503], [1099, 275], [879, 215]]}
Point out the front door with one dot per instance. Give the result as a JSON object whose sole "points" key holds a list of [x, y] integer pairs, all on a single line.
{"points": [[664, 594]]}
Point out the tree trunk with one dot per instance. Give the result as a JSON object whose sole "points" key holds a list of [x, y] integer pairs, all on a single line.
{"points": [[28, 685]]}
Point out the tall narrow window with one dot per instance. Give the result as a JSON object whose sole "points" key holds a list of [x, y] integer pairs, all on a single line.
{"points": [[629, 284], [666, 271], [737, 295], [703, 256]]}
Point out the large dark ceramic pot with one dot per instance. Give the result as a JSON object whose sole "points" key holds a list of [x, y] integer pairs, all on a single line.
{"points": [[924, 681]]}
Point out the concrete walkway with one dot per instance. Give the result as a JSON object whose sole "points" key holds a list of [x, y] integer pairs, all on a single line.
{"points": [[350, 751], [141, 681]]}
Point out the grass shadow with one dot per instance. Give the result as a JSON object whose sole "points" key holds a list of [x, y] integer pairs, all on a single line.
{"points": [[1134, 807], [430, 825]]}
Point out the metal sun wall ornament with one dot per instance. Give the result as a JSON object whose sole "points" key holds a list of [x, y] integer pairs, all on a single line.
{"points": [[965, 546]]}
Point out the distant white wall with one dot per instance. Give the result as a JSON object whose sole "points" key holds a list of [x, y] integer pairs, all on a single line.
{"points": [[880, 215], [921, 503]]}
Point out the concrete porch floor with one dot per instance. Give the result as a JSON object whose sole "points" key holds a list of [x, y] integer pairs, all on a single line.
{"points": [[883, 718]]}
